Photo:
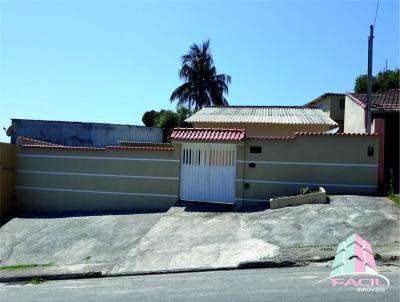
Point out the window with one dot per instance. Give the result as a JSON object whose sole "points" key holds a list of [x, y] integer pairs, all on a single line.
{"points": [[341, 104], [255, 149]]}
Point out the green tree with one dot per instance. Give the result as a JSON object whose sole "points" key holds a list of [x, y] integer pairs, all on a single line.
{"points": [[150, 118], [388, 80], [167, 120], [202, 85], [383, 81], [183, 113]]}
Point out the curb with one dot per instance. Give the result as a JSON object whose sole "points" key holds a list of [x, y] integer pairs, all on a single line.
{"points": [[92, 275], [65, 276], [241, 266]]}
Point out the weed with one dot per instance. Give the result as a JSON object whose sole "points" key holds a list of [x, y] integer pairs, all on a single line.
{"points": [[390, 194], [24, 266], [326, 249], [37, 280], [395, 198]]}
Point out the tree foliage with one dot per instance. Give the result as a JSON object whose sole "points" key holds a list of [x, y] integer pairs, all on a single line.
{"points": [[202, 84], [167, 120], [150, 117], [383, 81]]}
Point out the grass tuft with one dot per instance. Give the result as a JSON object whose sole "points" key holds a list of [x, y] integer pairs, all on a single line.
{"points": [[24, 266], [395, 198], [37, 280], [326, 249]]}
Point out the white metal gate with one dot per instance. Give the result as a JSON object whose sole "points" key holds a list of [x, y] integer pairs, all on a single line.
{"points": [[208, 172]]}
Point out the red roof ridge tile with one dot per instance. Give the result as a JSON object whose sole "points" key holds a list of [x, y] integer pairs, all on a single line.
{"points": [[36, 141], [44, 146], [354, 99], [333, 134], [213, 134], [271, 137], [62, 147], [149, 148]]}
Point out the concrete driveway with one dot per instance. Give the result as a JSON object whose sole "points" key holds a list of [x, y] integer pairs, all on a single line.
{"points": [[88, 242], [198, 236]]}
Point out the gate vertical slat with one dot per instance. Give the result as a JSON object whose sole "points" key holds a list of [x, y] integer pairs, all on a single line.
{"points": [[208, 172]]}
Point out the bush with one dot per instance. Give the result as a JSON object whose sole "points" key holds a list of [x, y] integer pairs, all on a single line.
{"points": [[167, 120]]}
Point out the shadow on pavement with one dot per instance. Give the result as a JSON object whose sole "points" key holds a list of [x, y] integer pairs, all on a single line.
{"points": [[34, 215], [193, 206]]}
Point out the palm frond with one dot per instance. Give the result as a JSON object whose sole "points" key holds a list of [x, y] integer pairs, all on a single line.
{"points": [[202, 86]]}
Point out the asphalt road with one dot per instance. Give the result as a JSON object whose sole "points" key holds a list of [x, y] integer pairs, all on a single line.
{"points": [[280, 284]]}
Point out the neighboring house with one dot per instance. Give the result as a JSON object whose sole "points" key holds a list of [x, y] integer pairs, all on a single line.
{"points": [[263, 120], [385, 121], [385, 105], [81, 134], [333, 104]]}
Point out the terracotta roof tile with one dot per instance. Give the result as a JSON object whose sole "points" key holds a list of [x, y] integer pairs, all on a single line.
{"points": [[334, 134], [21, 140], [209, 134], [26, 142], [140, 148], [261, 137], [389, 100], [44, 146], [140, 143]]}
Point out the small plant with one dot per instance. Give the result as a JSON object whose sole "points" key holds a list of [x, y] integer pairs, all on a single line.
{"points": [[87, 258], [304, 191], [391, 195], [307, 190], [395, 198], [391, 182], [326, 249], [37, 280], [378, 257]]}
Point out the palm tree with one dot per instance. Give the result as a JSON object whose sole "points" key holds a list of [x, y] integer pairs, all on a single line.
{"points": [[203, 86]]}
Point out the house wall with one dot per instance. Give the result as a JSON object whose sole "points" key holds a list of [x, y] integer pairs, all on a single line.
{"points": [[354, 117], [324, 104], [339, 163], [83, 134], [330, 104], [62, 180], [337, 113], [266, 129], [7, 178]]}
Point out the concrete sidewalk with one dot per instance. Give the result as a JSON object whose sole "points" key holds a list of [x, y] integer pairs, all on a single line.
{"points": [[193, 236]]}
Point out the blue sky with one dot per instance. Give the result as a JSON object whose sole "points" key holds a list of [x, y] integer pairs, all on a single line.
{"points": [[110, 61]]}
